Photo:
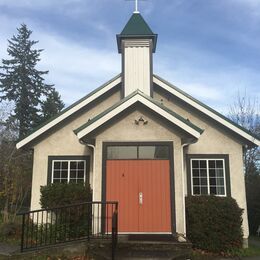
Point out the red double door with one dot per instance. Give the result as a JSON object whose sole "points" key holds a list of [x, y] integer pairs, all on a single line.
{"points": [[142, 188]]}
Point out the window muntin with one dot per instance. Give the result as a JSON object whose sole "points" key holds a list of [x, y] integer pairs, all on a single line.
{"points": [[65, 171], [145, 152], [208, 177]]}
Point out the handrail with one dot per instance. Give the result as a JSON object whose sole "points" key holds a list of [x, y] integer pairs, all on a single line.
{"points": [[66, 206], [83, 221]]}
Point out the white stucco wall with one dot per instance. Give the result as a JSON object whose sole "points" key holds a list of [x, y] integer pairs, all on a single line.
{"points": [[61, 143], [214, 140]]}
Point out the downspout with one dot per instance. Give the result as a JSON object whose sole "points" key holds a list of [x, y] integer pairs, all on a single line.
{"points": [[93, 163], [183, 188]]}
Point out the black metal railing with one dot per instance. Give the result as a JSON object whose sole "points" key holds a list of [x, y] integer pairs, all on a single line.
{"points": [[84, 221]]}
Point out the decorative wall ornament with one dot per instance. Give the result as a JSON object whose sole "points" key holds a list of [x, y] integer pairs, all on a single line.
{"points": [[141, 120]]}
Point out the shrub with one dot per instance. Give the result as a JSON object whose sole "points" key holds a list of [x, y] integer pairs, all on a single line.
{"points": [[62, 194], [214, 223], [72, 221]]}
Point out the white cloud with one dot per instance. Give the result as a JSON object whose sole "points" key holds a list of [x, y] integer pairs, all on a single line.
{"points": [[74, 69]]}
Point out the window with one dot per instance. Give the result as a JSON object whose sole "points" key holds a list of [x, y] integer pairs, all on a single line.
{"points": [[68, 169], [208, 177], [147, 152]]}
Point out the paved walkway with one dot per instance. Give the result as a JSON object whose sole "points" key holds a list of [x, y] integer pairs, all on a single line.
{"points": [[7, 249]]}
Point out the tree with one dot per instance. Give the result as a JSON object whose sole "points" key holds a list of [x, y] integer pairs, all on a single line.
{"points": [[52, 105], [21, 82], [245, 111], [15, 171]]}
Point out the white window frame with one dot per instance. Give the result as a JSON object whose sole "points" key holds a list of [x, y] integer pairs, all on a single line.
{"points": [[208, 182], [68, 161]]}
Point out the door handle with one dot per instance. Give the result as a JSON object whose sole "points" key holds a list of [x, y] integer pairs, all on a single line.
{"points": [[140, 198]]}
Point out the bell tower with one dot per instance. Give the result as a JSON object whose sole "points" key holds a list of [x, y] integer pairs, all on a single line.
{"points": [[137, 43]]}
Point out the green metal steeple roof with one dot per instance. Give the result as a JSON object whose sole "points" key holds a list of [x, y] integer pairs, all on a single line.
{"points": [[136, 28]]}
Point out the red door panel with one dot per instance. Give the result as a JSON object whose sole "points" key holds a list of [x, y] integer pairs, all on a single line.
{"points": [[126, 179]]}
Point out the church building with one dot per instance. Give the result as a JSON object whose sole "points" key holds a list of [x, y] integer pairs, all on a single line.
{"points": [[143, 142]]}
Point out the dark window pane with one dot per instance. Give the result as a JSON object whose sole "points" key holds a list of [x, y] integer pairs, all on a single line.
{"points": [[80, 181], [81, 165], [220, 190], [64, 165], [196, 181], [204, 190], [203, 181], [73, 165], [213, 190], [212, 173], [203, 164], [63, 180], [56, 180], [203, 173], [220, 181], [80, 174], [212, 164], [56, 174], [121, 152], [212, 181], [56, 165], [73, 180], [195, 164], [196, 173], [73, 174], [219, 173], [219, 164], [196, 190], [153, 152], [64, 174]]}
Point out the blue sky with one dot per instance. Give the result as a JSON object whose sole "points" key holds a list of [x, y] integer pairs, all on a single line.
{"points": [[208, 48]]}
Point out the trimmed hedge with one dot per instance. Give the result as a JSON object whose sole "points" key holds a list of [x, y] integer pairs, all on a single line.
{"points": [[214, 223], [62, 194]]}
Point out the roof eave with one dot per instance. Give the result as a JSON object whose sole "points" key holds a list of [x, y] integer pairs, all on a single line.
{"points": [[25, 141], [249, 137], [87, 128]]}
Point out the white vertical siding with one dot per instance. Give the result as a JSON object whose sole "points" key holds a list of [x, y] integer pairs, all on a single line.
{"points": [[137, 66]]}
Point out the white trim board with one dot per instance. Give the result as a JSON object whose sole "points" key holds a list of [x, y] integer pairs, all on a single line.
{"points": [[205, 110], [69, 112], [137, 98]]}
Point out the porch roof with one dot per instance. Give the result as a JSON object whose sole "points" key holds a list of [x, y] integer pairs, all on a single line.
{"points": [[147, 101]]}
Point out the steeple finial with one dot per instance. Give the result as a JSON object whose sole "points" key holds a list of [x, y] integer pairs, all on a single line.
{"points": [[136, 11], [136, 7]]}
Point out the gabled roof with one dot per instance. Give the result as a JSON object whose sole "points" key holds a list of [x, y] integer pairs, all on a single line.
{"points": [[125, 103], [226, 122], [136, 28], [70, 111]]}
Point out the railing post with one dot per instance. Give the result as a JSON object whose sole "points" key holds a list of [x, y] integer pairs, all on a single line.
{"points": [[22, 238], [114, 229]]}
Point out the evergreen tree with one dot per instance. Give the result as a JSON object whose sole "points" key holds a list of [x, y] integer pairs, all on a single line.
{"points": [[20, 81], [52, 105]]}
